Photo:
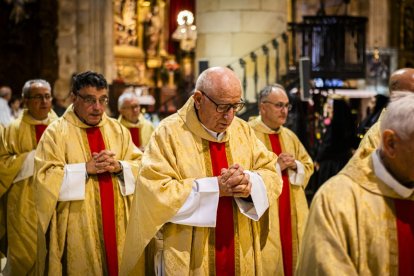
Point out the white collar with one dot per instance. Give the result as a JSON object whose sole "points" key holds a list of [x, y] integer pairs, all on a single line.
{"points": [[216, 135], [382, 173]]}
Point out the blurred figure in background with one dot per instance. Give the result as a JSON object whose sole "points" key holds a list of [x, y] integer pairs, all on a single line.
{"points": [[337, 143], [15, 107], [5, 111], [132, 118]]}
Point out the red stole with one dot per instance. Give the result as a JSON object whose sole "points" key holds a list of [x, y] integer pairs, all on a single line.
{"points": [[39, 129], [285, 219], [404, 210], [224, 232], [135, 136], [106, 190]]}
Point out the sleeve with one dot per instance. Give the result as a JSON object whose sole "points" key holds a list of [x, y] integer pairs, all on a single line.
{"points": [[297, 177], [10, 160], [200, 208], [127, 181], [49, 172], [255, 209], [330, 234], [304, 163], [264, 164]]}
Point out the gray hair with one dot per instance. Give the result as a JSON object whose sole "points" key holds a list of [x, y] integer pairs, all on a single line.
{"points": [[126, 96], [399, 117], [28, 84], [264, 93]]}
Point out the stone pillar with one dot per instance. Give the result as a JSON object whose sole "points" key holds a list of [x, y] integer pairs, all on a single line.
{"points": [[84, 40], [231, 29]]}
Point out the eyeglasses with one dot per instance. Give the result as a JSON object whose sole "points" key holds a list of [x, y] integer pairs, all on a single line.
{"points": [[280, 105], [92, 101], [39, 98], [132, 107], [224, 108]]}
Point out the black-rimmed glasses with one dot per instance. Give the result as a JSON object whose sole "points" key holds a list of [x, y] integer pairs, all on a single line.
{"points": [[92, 101], [280, 105], [224, 108]]}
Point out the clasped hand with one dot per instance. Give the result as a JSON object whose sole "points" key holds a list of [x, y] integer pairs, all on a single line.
{"points": [[101, 162], [234, 182], [286, 161]]}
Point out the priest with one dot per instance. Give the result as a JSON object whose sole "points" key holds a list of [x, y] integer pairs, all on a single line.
{"points": [[361, 220], [205, 179], [86, 167], [132, 118], [17, 151], [295, 166]]}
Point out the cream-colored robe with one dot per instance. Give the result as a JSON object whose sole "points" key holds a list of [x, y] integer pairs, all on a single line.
{"points": [[352, 229], [178, 153], [299, 206], [74, 228], [145, 128], [18, 197]]}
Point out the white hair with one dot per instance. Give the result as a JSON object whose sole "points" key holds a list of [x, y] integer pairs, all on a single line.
{"points": [[127, 95], [28, 84], [399, 117]]}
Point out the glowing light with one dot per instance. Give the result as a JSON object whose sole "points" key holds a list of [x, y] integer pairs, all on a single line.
{"points": [[185, 17]]}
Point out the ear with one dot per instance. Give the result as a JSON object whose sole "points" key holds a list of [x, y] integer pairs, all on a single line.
{"points": [[197, 99], [389, 142]]}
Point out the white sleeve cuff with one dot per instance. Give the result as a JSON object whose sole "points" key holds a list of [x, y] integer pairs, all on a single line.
{"points": [[297, 177], [200, 208], [278, 169], [254, 210], [127, 186], [73, 185], [27, 168]]}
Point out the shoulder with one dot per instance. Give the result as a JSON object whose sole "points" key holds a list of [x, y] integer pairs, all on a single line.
{"points": [[338, 194]]}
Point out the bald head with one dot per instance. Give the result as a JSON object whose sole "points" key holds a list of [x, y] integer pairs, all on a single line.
{"points": [[217, 98], [218, 80], [402, 80]]}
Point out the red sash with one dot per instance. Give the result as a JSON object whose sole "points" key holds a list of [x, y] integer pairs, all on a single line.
{"points": [[405, 232], [106, 190], [224, 232], [135, 136], [39, 129], [285, 219]]}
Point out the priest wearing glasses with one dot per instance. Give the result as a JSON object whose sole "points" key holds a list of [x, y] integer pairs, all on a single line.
{"points": [[295, 166], [86, 166], [205, 181]]}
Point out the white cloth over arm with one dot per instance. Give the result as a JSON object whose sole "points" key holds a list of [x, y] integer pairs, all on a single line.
{"points": [[74, 179], [297, 177], [255, 209], [73, 185], [127, 183], [27, 168], [200, 208]]}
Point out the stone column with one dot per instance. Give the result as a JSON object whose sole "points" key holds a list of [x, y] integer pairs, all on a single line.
{"points": [[230, 29], [84, 41]]}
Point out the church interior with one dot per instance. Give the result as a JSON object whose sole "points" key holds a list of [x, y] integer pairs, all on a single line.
{"points": [[320, 50]]}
